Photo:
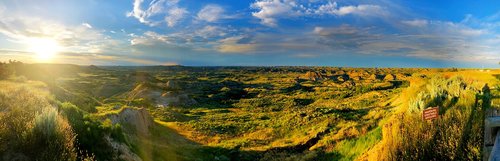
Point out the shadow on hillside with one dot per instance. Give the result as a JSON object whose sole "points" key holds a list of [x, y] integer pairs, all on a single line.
{"points": [[221, 94], [165, 143], [497, 76], [346, 114]]}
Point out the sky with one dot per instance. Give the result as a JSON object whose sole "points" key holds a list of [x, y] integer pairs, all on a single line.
{"points": [[362, 33]]}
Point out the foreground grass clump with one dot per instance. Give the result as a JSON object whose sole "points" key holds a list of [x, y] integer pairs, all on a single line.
{"points": [[30, 127], [350, 149], [457, 134], [53, 133]]}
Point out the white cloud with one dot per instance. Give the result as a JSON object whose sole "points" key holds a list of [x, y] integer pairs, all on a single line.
{"points": [[416, 23], [174, 15], [269, 11], [325, 8], [472, 32], [361, 10], [137, 12], [87, 25], [212, 13], [168, 9], [149, 38]]}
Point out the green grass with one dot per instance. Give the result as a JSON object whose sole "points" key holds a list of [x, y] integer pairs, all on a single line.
{"points": [[350, 149]]}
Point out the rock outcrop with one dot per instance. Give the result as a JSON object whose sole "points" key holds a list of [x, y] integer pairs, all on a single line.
{"points": [[374, 77], [172, 85], [349, 84], [134, 120], [314, 76], [343, 78], [123, 151], [389, 77], [174, 99]]}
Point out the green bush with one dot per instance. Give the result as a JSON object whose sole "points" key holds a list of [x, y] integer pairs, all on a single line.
{"points": [[91, 132]]}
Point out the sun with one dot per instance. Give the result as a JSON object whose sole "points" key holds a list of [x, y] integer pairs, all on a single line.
{"points": [[44, 48]]}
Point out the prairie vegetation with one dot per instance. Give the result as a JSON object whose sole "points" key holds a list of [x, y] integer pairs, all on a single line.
{"points": [[30, 127], [458, 132], [240, 113]]}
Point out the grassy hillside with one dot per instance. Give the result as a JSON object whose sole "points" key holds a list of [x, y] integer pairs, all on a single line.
{"points": [[457, 134]]}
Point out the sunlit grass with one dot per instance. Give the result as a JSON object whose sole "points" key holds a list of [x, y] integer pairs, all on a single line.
{"points": [[350, 149]]}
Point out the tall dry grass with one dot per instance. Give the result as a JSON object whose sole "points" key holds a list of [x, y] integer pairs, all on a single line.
{"points": [[456, 135], [30, 127]]}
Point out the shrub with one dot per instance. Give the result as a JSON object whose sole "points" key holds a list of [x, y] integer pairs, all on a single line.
{"points": [[51, 137], [91, 132]]}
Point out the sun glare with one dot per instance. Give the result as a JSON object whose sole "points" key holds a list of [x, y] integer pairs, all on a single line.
{"points": [[44, 48]]}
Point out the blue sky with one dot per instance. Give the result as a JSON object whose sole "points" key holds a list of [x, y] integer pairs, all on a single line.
{"points": [[253, 32]]}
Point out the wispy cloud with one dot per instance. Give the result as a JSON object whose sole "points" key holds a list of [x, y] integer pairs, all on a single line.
{"points": [[205, 36], [175, 15], [213, 13], [97, 59], [416, 23], [235, 45], [149, 38], [212, 31]]}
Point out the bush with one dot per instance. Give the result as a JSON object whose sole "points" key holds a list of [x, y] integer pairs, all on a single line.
{"points": [[51, 137], [30, 128]]}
